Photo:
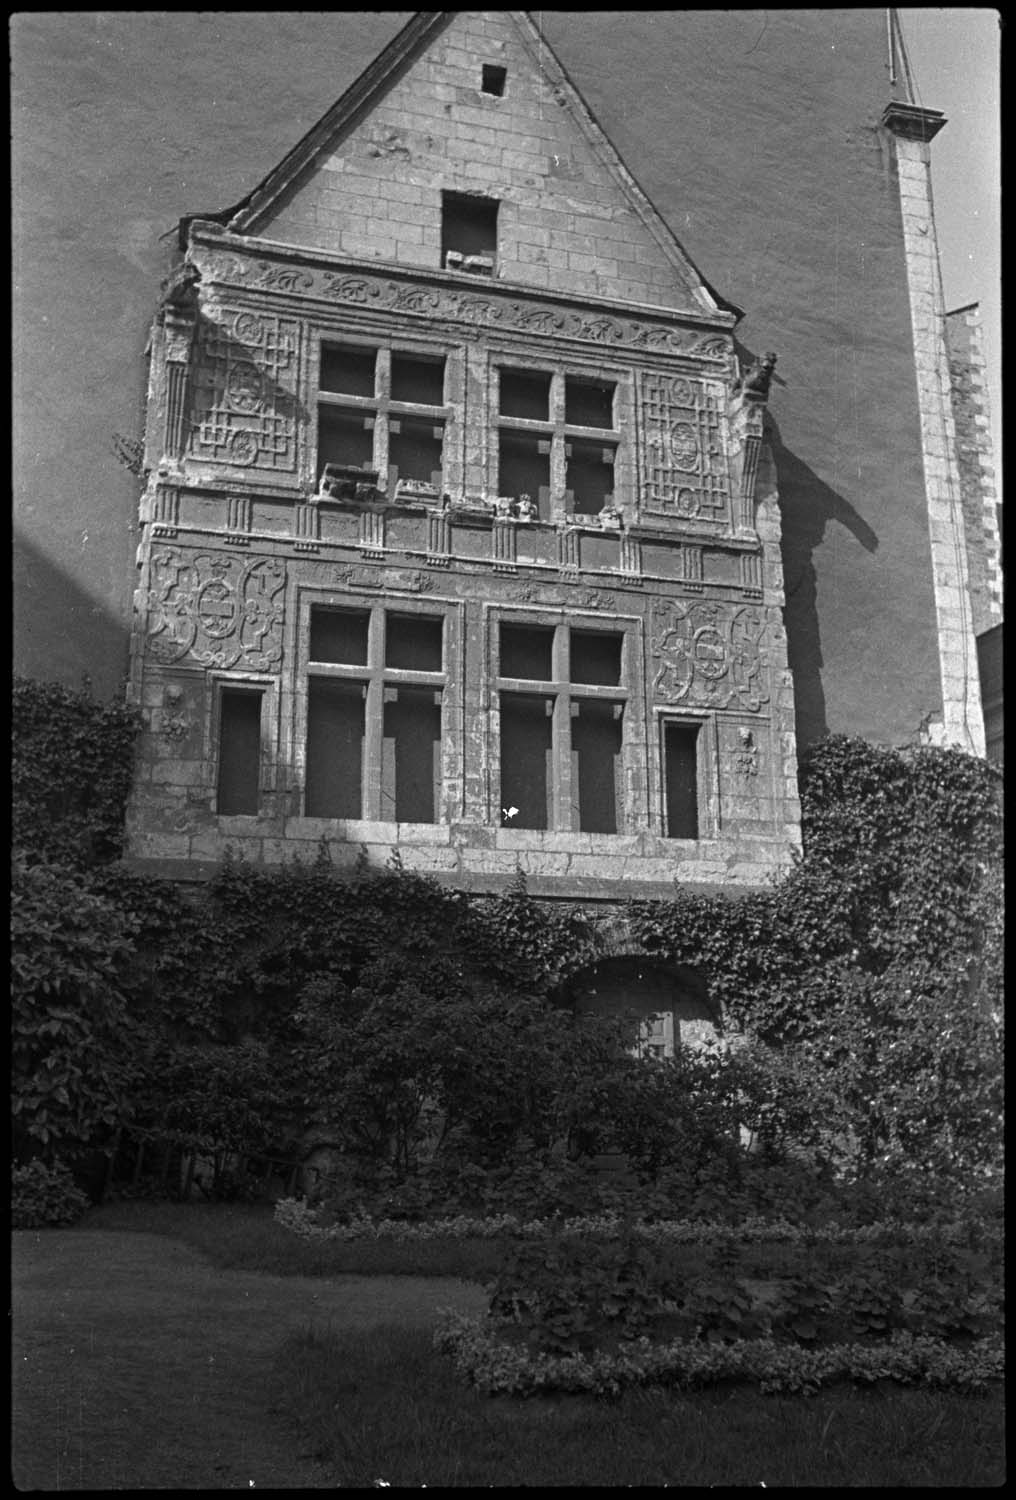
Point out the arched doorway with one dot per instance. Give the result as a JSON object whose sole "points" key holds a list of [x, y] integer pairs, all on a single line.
{"points": [[667, 1002]]}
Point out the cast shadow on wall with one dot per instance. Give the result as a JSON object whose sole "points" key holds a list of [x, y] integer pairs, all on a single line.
{"points": [[61, 634], [807, 505]]}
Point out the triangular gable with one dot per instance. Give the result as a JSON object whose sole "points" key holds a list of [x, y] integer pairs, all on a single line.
{"points": [[365, 182]]}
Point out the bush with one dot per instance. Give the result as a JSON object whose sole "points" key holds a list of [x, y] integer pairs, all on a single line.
{"points": [[44, 1194]]}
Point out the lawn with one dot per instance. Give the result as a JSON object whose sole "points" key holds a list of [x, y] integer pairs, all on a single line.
{"points": [[160, 1346]]}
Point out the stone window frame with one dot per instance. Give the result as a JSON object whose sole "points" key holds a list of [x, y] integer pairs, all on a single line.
{"points": [[558, 432], [382, 408], [565, 818], [268, 687], [378, 677], [706, 770]]}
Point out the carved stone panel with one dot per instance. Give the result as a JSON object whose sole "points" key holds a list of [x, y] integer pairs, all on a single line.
{"points": [[245, 406], [216, 611], [710, 656], [686, 473]]}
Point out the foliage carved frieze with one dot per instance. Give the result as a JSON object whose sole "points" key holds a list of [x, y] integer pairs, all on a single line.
{"points": [[710, 656], [411, 580], [452, 305], [686, 470], [215, 611], [245, 403], [567, 595]]}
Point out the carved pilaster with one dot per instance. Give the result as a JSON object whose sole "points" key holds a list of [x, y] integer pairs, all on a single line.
{"points": [[751, 573], [504, 545], [691, 567], [630, 553], [439, 538], [568, 549], [179, 333], [165, 510], [372, 533], [308, 527]]}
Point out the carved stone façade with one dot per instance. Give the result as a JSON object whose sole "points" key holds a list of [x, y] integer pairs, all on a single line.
{"points": [[242, 542]]}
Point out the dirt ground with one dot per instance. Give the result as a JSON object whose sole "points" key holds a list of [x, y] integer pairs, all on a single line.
{"points": [[137, 1365]]}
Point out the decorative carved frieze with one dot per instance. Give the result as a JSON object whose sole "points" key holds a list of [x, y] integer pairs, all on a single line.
{"points": [[411, 580], [216, 611], [452, 305], [710, 655], [245, 405], [686, 460], [551, 594]]}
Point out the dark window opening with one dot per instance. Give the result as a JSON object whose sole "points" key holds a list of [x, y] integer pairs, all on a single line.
{"points": [[344, 437], [493, 79], [680, 756], [415, 447], [526, 652], [468, 233], [414, 642], [348, 371], [589, 477], [239, 752], [596, 762], [411, 755], [588, 403], [339, 636], [525, 395], [417, 378], [525, 761], [596, 657], [524, 469], [335, 725]]}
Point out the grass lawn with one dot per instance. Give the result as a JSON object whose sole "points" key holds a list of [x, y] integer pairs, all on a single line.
{"points": [[205, 1347]]}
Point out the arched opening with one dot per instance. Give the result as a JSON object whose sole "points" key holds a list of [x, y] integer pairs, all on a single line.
{"points": [[667, 1002]]}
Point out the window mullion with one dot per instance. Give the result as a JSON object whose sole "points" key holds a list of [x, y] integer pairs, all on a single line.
{"points": [[374, 723], [382, 393], [558, 461]]}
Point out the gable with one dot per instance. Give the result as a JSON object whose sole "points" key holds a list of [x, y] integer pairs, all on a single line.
{"points": [[367, 183]]}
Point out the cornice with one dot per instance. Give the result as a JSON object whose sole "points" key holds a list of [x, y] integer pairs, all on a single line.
{"points": [[912, 121]]}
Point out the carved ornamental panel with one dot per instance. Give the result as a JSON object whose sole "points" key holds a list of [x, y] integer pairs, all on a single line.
{"points": [[244, 404], [685, 472], [216, 611], [710, 656]]}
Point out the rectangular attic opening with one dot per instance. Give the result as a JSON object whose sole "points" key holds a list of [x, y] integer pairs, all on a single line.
{"points": [[493, 79], [468, 233]]}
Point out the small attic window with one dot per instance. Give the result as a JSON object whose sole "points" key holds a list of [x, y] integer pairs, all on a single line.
{"points": [[493, 80], [468, 233]]}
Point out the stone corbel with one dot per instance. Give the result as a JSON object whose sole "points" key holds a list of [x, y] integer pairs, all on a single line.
{"points": [[748, 401]]}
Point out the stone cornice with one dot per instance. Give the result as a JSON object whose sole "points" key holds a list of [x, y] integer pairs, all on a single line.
{"points": [[912, 122], [303, 279]]}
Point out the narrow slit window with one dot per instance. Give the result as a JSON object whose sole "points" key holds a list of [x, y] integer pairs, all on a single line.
{"points": [[335, 725], [468, 233], [493, 79], [680, 769], [411, 755], [526, 748], [239, 752]]}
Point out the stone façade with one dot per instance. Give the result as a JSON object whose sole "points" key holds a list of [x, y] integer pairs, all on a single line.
{"points": [[240, 541]]}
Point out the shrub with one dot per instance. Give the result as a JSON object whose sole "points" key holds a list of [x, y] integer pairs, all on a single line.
{"points": [[44, 1194]]}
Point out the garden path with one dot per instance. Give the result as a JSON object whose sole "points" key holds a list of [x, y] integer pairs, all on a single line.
{"points": [[138, 1365]]}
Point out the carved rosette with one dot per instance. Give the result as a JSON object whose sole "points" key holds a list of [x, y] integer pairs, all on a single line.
{"points": [[216, 611], [710, 656], [686, 472], [245, 401]]}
